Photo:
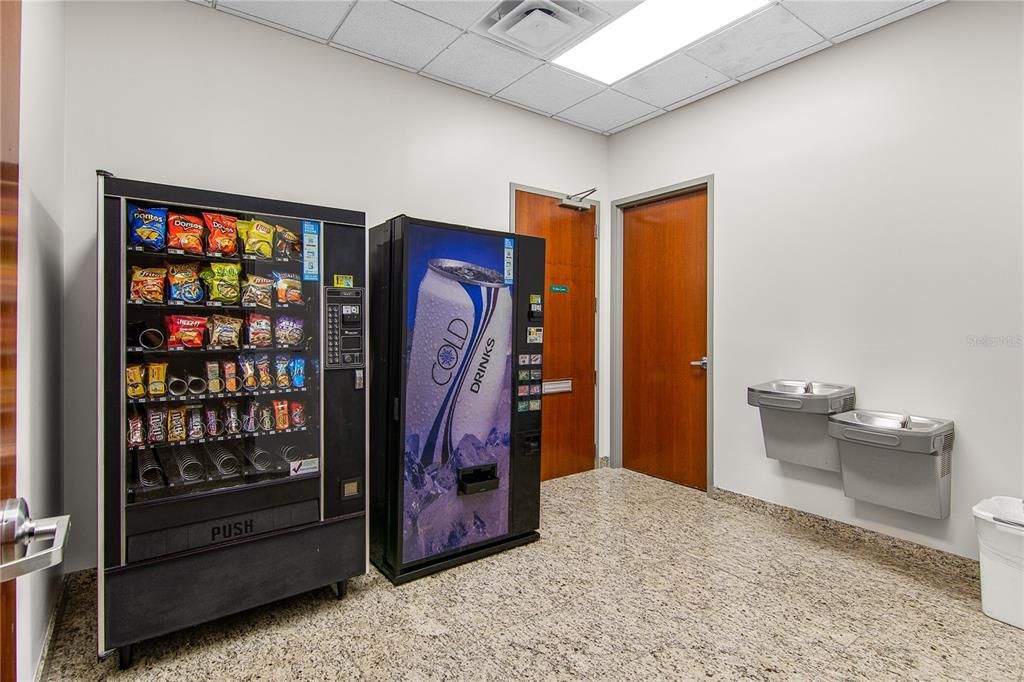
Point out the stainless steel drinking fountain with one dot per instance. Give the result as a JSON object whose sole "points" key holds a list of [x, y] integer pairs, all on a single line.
{"points": [[895, 459], [794, 419]]}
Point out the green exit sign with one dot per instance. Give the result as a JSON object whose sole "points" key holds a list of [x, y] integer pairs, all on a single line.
{"points": [[559, 289]]}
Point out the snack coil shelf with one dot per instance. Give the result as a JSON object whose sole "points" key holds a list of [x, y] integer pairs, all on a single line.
{"points": [[219, 439], [192, 397], [187, 255], [220, 258], [205, 305], [173, 484], [303, 347]]}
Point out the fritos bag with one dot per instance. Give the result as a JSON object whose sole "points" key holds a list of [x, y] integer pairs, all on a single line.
{"points": [[147, 285]]}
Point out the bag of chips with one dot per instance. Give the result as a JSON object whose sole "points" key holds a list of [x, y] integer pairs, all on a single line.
{"points": [[184, 232], [185, 285], [257, 237], [298, 369], [147, 285], [281, 376], [221, 235], [222, 281], [260, 334], [225, 331], [147, 227], [185, 331], [289, 287], [288, 331], [257, 291], [263, 371], [247, 361], [134, 381], [288, 244]]}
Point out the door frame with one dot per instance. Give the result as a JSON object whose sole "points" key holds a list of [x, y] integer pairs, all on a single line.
{"points": [[707, 183], [596, 205]]}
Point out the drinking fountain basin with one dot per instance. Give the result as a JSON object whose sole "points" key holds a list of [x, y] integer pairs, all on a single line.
{"points": [[896, 459], [794, 419]]}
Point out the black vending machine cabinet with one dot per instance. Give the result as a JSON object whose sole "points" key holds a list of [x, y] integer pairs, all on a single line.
{"points": [[232, 408], [456, 317]]}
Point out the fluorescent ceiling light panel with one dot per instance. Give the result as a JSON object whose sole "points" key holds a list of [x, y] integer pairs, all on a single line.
{"points": [[650, 31]]}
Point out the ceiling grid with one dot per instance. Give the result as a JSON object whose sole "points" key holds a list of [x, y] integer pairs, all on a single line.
{"points": [[457, 42]]}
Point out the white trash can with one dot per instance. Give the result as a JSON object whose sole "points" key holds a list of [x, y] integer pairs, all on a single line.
{"points": [[1000, 525]]}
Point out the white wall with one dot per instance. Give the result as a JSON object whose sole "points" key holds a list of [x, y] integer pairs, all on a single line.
{"points": [[868, 223], [41, 213], [177, 93]]}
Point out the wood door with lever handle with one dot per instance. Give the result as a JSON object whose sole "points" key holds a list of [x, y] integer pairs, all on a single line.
{"points": [[568, 416], [664, 338]]}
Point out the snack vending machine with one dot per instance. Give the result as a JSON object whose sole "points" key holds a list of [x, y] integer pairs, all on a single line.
{"points": [[457, 327], [232, 408]]}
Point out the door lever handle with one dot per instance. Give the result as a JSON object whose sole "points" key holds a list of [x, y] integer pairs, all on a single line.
{"points": [[702, 363], [18, 530]]}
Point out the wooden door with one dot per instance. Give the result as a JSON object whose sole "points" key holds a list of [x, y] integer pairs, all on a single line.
{"points": [[567, 419], [664, 328], [10, 102]]}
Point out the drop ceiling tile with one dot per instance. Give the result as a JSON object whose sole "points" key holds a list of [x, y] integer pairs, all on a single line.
{"points": [[461, 13], [394, 33], [833, 17], [637, 121], [786, 60], [549, 89], [616, 8], [316, 18], [671, 80], [757, 41], [702, 95], [606, 110], [480, 64], [887, 19]]}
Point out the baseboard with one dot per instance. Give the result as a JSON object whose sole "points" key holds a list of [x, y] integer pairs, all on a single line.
{"points": [[882, 545], [44, 650]]}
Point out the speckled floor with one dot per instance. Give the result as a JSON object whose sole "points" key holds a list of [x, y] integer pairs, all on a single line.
{"points": [[634, 579]]}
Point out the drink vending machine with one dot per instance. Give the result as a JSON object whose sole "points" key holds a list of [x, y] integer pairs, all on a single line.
{"points": [[232, 406], [457, 328]]}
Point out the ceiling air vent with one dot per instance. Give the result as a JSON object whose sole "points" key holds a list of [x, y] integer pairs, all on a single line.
{"points": [[541, 28]]}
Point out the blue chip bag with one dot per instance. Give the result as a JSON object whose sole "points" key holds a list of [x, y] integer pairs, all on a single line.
{"points": [[147, 227]]}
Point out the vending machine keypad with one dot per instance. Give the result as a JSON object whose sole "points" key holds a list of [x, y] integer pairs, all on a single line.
{"points": [[344, 346]]}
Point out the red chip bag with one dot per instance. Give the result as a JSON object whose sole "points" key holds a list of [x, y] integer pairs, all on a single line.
{"points": [[185, 331], [184, 232], [222, 234]]}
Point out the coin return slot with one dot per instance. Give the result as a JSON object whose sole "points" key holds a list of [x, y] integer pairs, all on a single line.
{"points": [[478, 479]]}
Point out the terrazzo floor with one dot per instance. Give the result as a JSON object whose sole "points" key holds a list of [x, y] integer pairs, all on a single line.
{"points": [[633, 579]]}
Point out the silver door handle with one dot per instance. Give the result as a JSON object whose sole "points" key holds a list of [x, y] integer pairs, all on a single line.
{"points": [[702, 363], [18, 531]]}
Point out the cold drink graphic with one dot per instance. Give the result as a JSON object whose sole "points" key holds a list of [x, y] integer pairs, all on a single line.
{"points": [[457, 396], [457, 363], [455, 463]]}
